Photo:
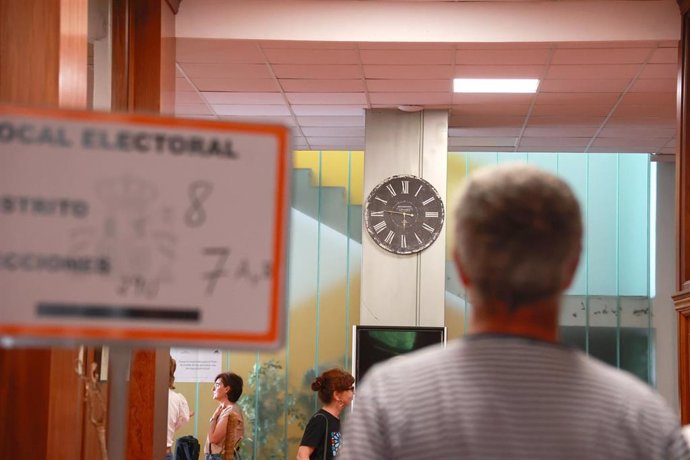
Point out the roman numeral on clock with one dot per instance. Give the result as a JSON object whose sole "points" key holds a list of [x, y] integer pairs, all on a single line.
{"points": [[376, 214], [427, 227], [389, 237], [391, 189], [378, 228], [428, 200], [405, 186], [431, 214]]}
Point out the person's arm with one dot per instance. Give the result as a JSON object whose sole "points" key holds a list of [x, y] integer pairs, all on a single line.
{"points": [[304, 452], [313, 436], [217, 426], [183, 413]]}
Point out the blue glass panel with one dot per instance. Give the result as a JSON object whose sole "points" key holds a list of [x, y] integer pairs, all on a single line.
{"points": [[633, 192], [602, 211]]}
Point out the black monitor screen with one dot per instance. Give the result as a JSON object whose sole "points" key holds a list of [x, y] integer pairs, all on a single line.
{"points": [[373, 344]]}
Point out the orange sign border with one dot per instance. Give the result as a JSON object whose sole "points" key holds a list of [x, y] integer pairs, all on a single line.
{"points": [[273, 335]]}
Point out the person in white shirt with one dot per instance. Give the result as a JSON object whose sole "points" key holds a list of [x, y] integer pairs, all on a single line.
{"points": [[178, 410]]}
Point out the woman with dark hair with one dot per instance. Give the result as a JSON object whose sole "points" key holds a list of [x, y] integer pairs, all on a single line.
{"points": [[322, 438], [226, 427]]}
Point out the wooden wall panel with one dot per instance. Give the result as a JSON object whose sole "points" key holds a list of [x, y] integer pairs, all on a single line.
{"points": [[29, 47], [73, 54], [682, 298], [682, 302], [25, 377], [66, 406]]}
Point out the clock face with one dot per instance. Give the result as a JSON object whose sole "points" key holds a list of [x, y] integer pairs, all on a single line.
{"points": [[404, 214]]}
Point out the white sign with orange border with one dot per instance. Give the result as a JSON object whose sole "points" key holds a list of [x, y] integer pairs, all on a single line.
{"points": [[147, 230]]}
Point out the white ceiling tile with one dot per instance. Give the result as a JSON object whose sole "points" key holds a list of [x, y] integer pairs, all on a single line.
{"points": [[479, 121], [181, 85], [215, 50], [332, 121], [584, 85], [560, 131], [530, 56], [484, 132], [577, 98], [233, 84], [579, 142], [327, 98], [404, 46], [665, 56], [649, 98], [503, 46], [644, 144], [310, 56], [251, 110], [551, 148], [197, 117], [227, 97], [335, 72], [565, 120], [466, 141], [188, 97], [327, 110], [394, 99], [618, 120], [498, 71], [599, 71], [410, 86], [182, 109], [224, 70], [594, 110], [660, 71], [269, 120], [655, 85], [334, 131], [413, 72], [322, 86], [600, 56], [406, 57], [648, 110], [491, 109], [299, 44], [632, 131]]}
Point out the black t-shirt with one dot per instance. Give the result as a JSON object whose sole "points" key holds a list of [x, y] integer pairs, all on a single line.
{"points": [[315, 432]]}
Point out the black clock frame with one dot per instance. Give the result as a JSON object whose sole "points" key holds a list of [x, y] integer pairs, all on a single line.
{"points": [[404, 214]]}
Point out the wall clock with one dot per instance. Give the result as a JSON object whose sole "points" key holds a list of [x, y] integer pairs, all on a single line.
{"points": [[404, 214]]}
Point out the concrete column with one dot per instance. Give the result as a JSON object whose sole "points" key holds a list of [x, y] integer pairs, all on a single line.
{"points": [[404, 290]]}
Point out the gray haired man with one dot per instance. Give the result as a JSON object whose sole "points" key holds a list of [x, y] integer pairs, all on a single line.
{"points": [[508, 390]]}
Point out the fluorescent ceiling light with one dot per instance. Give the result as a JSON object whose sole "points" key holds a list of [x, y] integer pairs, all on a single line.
{"points": [[495, 85]]}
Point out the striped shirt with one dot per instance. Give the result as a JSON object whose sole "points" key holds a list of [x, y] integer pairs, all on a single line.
{"points": [[505, 397]]}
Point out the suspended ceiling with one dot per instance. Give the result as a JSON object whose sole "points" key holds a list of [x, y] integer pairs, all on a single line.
{"points": [[608, 79]]}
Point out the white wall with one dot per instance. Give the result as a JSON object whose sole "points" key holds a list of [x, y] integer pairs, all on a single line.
{"points": [[664, 319]]}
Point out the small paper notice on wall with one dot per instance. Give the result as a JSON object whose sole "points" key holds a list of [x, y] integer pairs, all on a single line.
{"points": [[196, 365]]}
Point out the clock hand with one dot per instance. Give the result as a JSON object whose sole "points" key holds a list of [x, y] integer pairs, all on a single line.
{"points": [[401, 213]]}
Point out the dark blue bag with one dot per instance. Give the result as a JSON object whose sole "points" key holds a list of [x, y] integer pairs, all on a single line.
{"points": [[187, 448]]}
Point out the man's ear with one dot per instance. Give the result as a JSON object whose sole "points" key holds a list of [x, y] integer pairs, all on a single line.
{"points": [[570, 270], [461, 270]]}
